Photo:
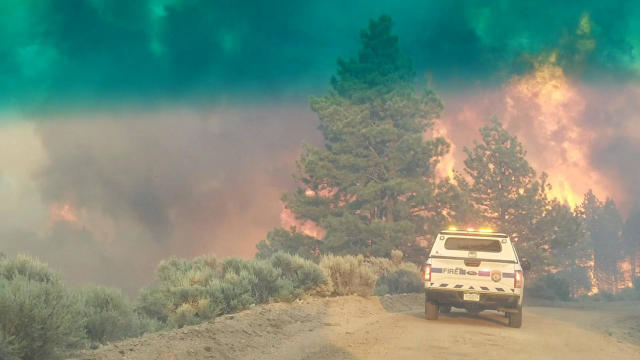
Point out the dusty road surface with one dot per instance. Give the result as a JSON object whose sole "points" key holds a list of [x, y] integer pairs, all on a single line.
{"points": [[391, 327]]}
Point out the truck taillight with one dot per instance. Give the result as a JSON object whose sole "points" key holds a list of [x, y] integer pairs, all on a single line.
{"points": [[427, 272], [517, 279]]}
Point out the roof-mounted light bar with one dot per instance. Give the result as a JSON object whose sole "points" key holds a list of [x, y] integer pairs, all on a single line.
{"points": [[471, 229]]}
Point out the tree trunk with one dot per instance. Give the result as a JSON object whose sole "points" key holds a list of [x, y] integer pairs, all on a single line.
{"points": [[389, 204]]}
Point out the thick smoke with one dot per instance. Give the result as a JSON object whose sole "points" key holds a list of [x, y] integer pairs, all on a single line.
{"points": [[126, 190], [98, 50], [103, 191]]}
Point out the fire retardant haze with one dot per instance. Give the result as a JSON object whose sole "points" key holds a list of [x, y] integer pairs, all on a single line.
{"points": [[132, 130]]}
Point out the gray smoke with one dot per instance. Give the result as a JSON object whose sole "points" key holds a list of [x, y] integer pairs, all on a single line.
{"points": [[165, 182]]}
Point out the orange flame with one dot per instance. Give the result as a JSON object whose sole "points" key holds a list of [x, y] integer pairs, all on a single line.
{"points": [[447, 163], [626, 271], [309, 228], [552, 107], [64, 212], [546, 110]]}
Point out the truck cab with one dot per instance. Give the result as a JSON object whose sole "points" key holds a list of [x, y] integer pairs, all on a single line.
{"points": [[474, 270]]}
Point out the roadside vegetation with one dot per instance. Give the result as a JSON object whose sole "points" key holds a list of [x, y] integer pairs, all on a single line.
{"points": [[43, 319]]}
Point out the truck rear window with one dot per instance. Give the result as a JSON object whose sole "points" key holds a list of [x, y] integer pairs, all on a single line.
{"points": [[467, 244]]}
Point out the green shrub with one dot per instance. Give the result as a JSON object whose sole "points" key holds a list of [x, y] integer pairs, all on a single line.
{"points": [[174, 306], [187, 306], [7, 348], [290, 241], [154, 303], [304, 275], [28, 267], [628, 294], [396, 257], [381, 266], [231, 294], [109, 315], [182, 272], [349, 274], [266, 281], [550, 287], [181, 296], [233, 265], [399, 282], [411, 267], [39, 318], [190, 292], [184, 315]]}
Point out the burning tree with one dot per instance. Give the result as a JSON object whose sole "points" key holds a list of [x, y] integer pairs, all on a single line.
{"points": [[373, 186], [504, 187], [632, 240], [508, 194], [604, 227]]}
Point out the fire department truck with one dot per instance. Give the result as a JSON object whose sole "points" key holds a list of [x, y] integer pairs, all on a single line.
{"points": [[474, 270]]}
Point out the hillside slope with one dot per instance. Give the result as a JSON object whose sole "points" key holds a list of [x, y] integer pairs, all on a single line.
{"points": [[383, 328]]}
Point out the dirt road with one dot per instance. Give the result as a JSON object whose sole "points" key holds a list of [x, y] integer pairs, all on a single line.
{"points": [[391, 327]]}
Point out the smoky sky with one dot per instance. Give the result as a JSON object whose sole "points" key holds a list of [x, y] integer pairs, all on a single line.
{"points": [[120, 191], [178, 166], [93, 51], [171, 127]]}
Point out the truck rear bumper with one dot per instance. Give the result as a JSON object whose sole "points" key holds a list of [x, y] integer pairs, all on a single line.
{"points": [[488, 301]]}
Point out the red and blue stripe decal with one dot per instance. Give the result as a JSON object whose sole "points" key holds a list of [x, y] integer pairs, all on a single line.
{"points": [[440, 270]]}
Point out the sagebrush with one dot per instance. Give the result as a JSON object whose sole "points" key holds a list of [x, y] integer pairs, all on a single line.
{"points": [[188, 292], [40, 319], [109, 316]]}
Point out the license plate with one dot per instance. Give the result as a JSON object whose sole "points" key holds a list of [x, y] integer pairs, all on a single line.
{"points": [[471, 297]]}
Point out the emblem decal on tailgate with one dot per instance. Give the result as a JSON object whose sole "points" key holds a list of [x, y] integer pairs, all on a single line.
{"points": [[496, 275]]}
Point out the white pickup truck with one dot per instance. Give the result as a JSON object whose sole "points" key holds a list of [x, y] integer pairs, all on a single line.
{"points": [[474, 270]]}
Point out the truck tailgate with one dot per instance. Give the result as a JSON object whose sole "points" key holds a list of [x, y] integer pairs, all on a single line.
{"points": [[472, 274]]}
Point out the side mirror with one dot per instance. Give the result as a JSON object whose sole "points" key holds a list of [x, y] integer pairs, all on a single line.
{"points": [[524, 263]]}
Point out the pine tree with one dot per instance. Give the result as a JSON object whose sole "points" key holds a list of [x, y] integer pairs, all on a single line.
{"points": [[289, 241], [372, 187], [509, 196], [632, 242], [505, 188], [604, 227]]}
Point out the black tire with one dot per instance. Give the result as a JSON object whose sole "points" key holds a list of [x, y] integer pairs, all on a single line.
{"points": [[445, 309], [515, 318], [431, 310]]}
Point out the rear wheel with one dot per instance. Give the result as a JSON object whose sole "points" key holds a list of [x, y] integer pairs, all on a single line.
{"points": [[445, 309], [431, 310], [515, 318]]}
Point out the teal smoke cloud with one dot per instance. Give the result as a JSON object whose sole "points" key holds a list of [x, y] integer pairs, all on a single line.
{"points": [[96, 50]]}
